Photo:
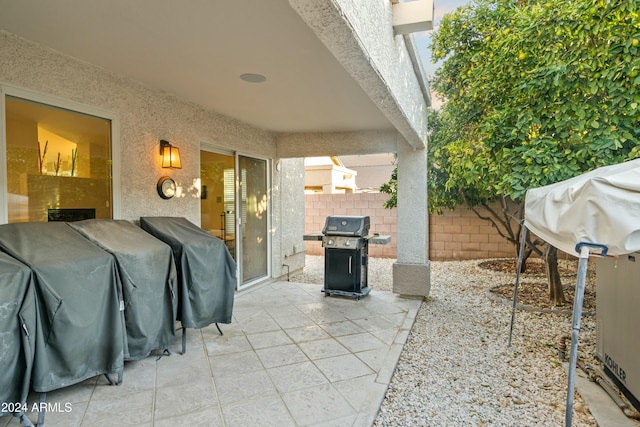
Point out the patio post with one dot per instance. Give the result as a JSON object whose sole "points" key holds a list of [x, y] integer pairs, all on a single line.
{"points": [[411, 272]]}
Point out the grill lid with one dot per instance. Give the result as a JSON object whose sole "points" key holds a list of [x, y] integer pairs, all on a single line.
{"points": [[346, 226]]}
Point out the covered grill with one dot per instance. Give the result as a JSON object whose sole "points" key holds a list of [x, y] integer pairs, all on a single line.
{"points": [[206, 272], [148, 281], [17, 334], [80, 328], [346, 250]]}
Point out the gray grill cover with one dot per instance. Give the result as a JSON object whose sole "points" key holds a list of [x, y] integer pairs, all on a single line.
{"points": [[206, 270], [17, 329], [80, 326], [148, 278]]}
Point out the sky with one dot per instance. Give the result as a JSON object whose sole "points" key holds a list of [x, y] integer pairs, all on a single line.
{"points": [[423, 39]]}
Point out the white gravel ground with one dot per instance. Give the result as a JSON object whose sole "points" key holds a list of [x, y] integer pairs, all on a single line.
{"points": [[456, 368]]}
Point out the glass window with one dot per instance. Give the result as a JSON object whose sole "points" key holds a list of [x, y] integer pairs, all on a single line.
{"points": [[58, 163]]}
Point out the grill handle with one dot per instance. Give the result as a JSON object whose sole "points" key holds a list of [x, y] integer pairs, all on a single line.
{"points": [[350, 259]]}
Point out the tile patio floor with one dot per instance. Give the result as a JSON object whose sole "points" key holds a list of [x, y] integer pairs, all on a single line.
{"points": [[291, 357]]}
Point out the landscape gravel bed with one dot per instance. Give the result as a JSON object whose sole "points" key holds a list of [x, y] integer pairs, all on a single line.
{"points": [[456, 368]]}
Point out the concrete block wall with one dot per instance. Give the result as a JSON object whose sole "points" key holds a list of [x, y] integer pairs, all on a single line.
{"points": [[383, 221], [461, 234], [454, 235]]}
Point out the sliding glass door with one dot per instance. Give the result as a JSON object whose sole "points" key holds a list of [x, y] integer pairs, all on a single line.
{"points": [[218, 197], [253, 220], [235, 207]]}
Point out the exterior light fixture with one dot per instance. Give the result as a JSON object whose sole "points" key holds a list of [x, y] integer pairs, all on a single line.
{"points": [[170, 155]]}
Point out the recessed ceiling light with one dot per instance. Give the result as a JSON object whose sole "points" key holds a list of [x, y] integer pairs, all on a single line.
{"points": [[253, 78]]}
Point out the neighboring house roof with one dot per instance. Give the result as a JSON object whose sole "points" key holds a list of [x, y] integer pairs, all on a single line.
{"points": [[369, 171], [323, 161], [327, 174], [373, 169]]}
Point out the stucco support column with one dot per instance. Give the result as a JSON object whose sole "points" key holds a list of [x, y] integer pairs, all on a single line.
{"points": [[411, 272]]}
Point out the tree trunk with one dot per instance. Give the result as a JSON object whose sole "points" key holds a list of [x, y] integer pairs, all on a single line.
{"points": [[556, 293], [525, 257]]}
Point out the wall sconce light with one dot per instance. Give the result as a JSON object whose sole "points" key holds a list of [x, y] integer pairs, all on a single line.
{"points": [[170, 155]]}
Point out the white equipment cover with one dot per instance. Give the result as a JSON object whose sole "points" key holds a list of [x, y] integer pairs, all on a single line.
{"points": [[598, 207]]}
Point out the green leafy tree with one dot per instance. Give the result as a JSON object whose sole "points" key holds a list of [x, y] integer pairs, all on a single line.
{"points": [[535, 92]]}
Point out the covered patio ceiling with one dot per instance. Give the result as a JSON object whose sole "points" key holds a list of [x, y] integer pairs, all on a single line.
{"points": [[198, 50]]}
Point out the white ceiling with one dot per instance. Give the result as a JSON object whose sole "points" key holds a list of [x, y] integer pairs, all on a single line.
{"points": [[197, 49]]}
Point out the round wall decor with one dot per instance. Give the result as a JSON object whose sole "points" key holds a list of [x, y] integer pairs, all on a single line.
{"points": [[166, 187]]}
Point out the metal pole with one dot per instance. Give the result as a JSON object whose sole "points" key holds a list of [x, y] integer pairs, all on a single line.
{"points": [[523, 236], [577, 316]]}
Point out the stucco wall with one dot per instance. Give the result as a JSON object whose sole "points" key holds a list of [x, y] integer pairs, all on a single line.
{"points": [[388, 54], [144, 116], [359, 34], [454, 235], [288, 218]]}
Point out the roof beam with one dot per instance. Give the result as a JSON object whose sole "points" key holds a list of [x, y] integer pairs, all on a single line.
{"points": [[362, 40], [412, 17]]}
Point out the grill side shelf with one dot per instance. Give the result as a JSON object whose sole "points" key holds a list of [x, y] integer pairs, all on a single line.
{"points": [[313, 237], [377, 239], [373, 239]]}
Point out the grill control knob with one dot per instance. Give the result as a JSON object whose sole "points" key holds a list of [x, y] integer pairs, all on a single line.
{"points": [[330, 242], [348, 243]]}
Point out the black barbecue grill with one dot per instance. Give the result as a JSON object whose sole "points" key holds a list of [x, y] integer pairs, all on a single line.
{"points": [[346, 250], [346, 241]]}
